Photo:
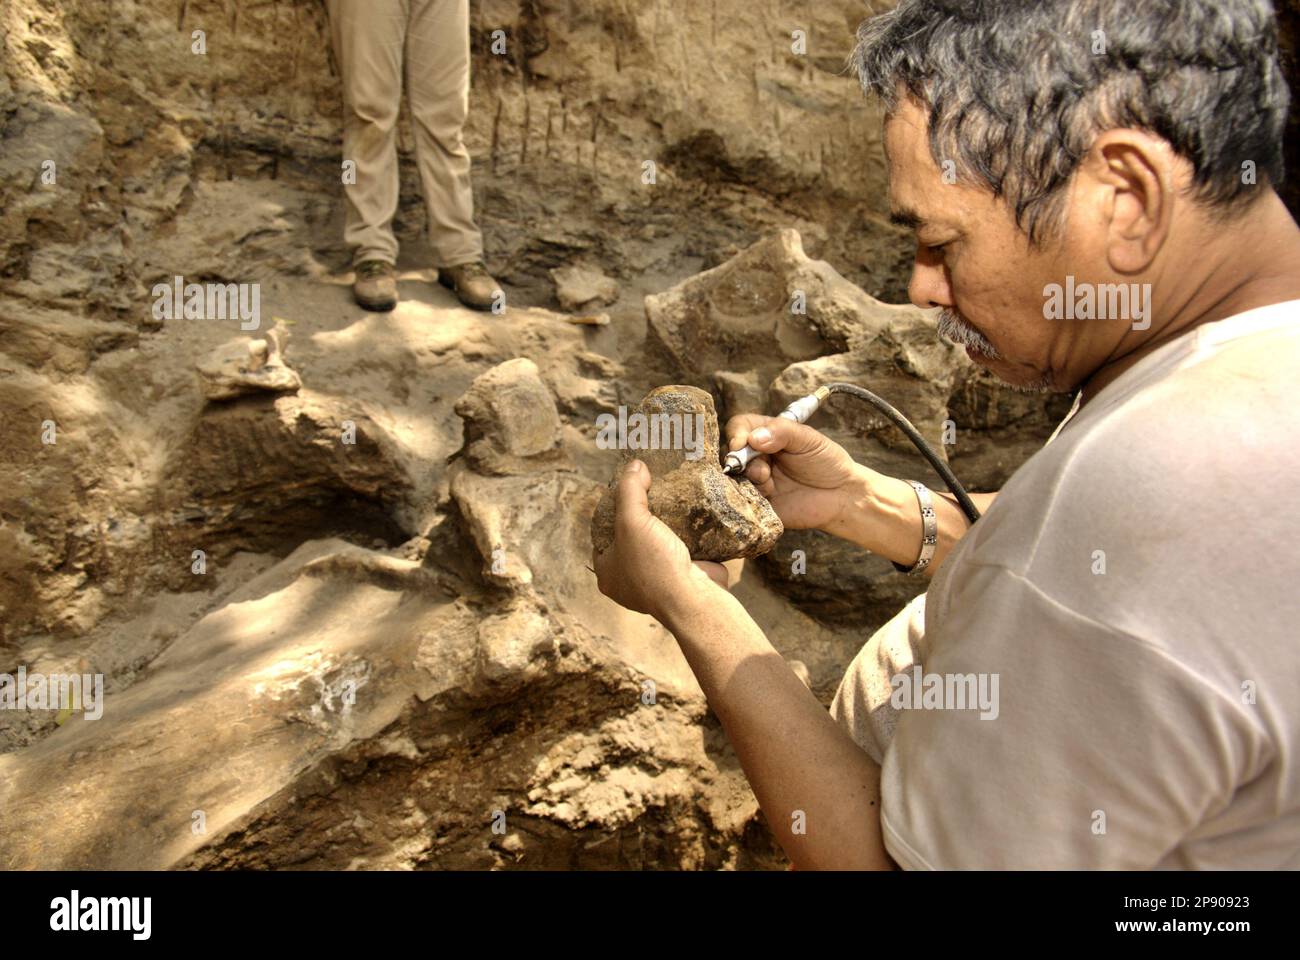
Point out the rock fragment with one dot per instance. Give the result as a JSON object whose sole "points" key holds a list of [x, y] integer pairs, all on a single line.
{"points": [[765, 308], [741, 393], [836, 581], [242, 366], [589, 319], [583, 288], [675, 432], [511, 423]]}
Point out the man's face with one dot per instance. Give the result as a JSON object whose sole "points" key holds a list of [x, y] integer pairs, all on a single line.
{"points": [[973, 261]]}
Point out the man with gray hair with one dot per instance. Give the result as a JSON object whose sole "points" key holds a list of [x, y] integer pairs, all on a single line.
{"points": [[1133, 586]]}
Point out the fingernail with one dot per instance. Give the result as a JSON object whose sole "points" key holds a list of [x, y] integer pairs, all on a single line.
{"points": [[762, 435], [633, 466]]}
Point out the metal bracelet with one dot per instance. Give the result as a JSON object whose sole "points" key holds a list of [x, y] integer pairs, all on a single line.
{"points": [[929, 530]]}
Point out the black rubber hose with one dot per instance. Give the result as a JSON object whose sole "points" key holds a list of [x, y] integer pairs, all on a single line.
{"points": [[900, 421]]}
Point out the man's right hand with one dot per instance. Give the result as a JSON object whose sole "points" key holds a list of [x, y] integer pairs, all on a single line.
{"points": [[811, 481]]}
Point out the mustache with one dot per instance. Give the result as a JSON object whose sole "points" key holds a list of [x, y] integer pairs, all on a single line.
{"points": [[963, 334]]}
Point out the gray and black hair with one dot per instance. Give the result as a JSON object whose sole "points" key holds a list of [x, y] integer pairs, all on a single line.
{"points": [[1016, 93]]}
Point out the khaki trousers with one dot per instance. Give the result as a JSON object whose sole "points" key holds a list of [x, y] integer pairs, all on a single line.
{"points": [[376, 42]]}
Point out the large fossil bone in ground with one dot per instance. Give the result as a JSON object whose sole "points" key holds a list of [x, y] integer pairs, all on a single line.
{"points": [[675, 433]]}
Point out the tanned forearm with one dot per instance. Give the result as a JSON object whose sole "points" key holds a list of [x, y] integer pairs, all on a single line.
{"points": [[817, 788], [885, 518]]}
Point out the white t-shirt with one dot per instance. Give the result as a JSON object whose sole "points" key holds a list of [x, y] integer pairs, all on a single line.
{"points": [[1134, 591]]}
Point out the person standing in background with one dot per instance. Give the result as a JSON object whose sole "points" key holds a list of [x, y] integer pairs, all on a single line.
{"points": [[374, 42]]}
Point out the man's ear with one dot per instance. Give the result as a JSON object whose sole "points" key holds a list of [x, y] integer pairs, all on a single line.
{"points": [[1133, 174]]}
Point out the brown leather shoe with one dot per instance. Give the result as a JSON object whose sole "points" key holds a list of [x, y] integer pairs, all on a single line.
{"points": [[473, 285], [375, 287]]}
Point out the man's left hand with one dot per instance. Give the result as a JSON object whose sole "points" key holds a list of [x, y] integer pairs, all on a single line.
{"points": [[647, 568]]}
